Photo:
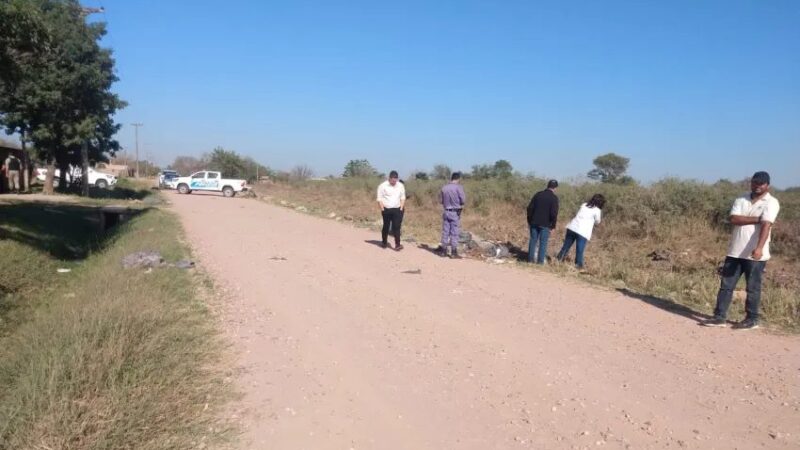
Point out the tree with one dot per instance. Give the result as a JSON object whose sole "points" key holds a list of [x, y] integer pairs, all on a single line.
{"points": [[503, 169], [359, 168], [421, 176], [441, 172], [500, 169], [610, 168], [301, 173], [230, 163], [187, 165], [55, 88]]}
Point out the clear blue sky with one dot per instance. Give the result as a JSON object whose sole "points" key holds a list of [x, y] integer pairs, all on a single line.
{"points": [[697, 89]]}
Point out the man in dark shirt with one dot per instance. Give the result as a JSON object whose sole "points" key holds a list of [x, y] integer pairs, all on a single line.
{"points": [[542, 217]]}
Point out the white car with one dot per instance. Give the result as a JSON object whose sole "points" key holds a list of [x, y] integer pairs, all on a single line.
{"points": [[98, 179], [208, 181]]}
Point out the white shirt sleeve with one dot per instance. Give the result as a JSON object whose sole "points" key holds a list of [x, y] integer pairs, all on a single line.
{"points": [[402, 192], [738, 207], [770, 213], [380, 187], [597, 216]]}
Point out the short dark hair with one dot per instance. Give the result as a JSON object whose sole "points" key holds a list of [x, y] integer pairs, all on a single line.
{"points": [[455, 176], [552, 184], [760, 177], [597, 200], [393, 174]]}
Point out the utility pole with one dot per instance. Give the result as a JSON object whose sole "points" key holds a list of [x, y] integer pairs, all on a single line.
{"points": [[136, 127]]}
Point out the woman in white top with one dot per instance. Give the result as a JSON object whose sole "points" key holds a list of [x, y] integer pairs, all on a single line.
{"points": [[579, 230]]}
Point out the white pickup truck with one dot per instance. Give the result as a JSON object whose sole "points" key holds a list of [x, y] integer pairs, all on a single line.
{"points": [[98, 179], [208, 181]]}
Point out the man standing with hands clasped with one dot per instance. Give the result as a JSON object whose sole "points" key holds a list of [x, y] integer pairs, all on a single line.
{"points": [[391, 199], [453, 200], [542, 217], [752, 217]]}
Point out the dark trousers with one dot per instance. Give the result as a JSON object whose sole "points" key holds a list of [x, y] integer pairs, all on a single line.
{"points": [[732, 270], [580, 245], [392, 218], [539, 235]]}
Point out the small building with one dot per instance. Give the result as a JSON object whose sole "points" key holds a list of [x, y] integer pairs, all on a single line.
{"points": [[118, 170]]}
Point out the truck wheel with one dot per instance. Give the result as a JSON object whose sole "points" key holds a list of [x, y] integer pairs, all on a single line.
{"points": [[184, 189], [102, 184], [228, 191]]}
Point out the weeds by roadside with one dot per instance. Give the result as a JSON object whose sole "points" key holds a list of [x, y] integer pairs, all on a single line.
{"points": [[102, 357], [683, 220]]}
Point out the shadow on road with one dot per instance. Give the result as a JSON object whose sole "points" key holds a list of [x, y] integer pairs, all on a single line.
{"points": [[666, 305]]}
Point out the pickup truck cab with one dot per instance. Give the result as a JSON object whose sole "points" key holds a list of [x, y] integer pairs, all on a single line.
{"points": [[207, 180]]}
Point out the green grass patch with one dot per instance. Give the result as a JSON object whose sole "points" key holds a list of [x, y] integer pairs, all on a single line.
{"points": [[103, 357]]}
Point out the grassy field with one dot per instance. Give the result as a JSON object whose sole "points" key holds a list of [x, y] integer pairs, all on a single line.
{"points": [[684, 221], [101, 357]]}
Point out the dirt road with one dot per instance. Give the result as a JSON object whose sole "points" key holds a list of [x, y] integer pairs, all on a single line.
{"points": [[343, 348]]}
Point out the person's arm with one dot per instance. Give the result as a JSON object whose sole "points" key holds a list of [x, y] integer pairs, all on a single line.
{"points": [[767, 218], [380, 202], [737, 216], [554, 213], [402, 198], [598, 216], [462, 196], [744, 220], [762, 240]]}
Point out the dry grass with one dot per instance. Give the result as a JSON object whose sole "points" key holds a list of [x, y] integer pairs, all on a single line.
{"points": [[101, 357], [683, 219]]}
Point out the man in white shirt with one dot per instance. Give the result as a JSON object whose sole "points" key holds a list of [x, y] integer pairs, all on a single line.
{"points": [[392, 199], [752, 217]]}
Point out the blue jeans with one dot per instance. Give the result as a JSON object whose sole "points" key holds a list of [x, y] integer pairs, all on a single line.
{"points": [[540, 235], [732, 270], [580, 245]]}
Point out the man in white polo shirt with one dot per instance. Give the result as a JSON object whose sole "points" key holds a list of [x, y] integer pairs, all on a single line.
{"points": [[752, 217], [392, 199]]}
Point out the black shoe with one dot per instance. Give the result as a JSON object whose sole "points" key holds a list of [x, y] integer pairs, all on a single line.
{"points": [[455, 255], [384, 245], [398, 247], [746, 324], [441, 251], [715, 322]]}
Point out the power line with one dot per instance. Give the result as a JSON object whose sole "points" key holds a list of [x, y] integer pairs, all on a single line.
{"points": [[136, 127]]}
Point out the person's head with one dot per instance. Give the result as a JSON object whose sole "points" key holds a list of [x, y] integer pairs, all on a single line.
{"points": [[759, 184], [393, 177], [552, 185], [597, 201], [455, 177]]}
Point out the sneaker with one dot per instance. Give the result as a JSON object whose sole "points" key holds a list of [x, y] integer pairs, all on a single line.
{"points": [[398, 247], [715, 322], [746, 324]]}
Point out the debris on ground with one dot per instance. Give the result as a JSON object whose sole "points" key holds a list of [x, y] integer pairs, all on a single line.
{"points": [[142, 259], [63, 270], [278, 258], [152, 259], [660, 255], [184, 264], [413, 272]]}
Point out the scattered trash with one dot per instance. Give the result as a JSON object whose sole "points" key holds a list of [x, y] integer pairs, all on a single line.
{"points": [[278, 258], [332, 215], [63, 270], [142, 259], [301, 209], [413, 272], [184, 264], [659, 255]]}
